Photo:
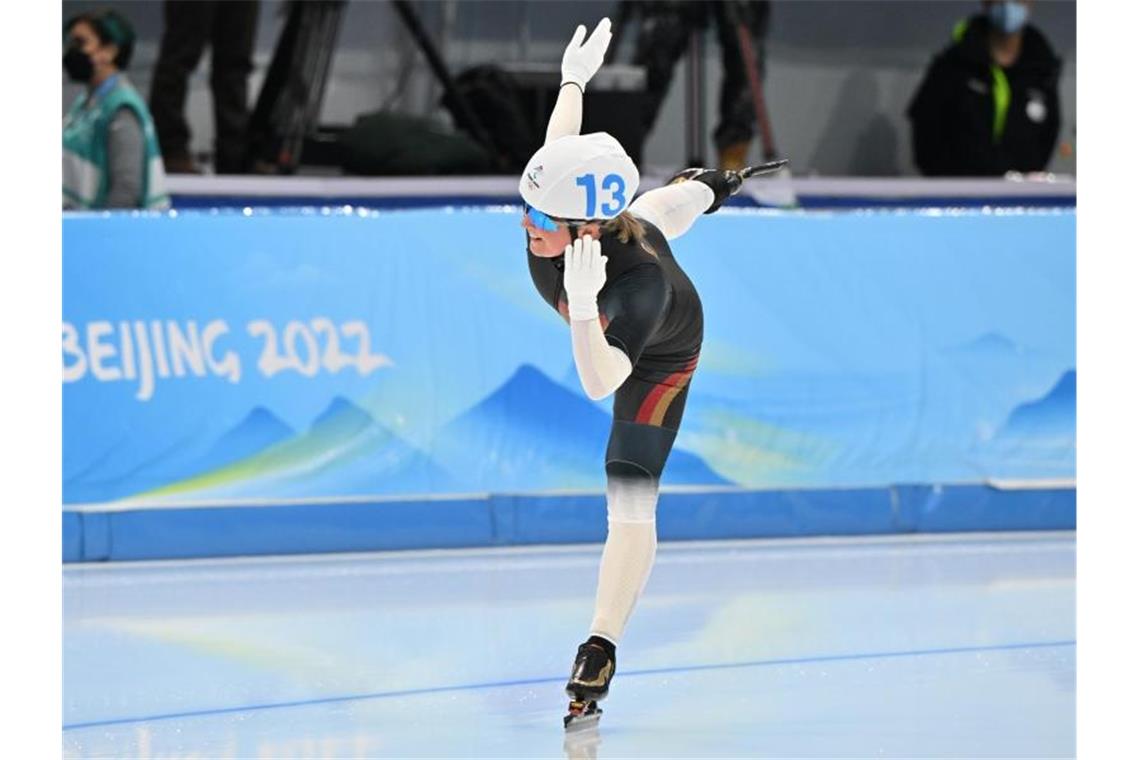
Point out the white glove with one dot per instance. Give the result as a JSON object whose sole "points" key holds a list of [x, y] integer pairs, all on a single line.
{"points": [[584, 274], [581, 61]]}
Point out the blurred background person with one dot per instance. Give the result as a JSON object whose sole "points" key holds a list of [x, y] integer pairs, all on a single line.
{"points": [[110, 152], [230, 28], [663, 38], [988, 103]]}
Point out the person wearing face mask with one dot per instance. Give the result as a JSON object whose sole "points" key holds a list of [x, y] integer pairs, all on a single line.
{"points": [[110, 152], [988, 103]]}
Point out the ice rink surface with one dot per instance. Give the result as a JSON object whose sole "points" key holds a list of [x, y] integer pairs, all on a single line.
{"points": [[930, 646]]}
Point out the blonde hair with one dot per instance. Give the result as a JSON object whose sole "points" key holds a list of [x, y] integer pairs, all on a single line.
{"points": [[625, 226]]}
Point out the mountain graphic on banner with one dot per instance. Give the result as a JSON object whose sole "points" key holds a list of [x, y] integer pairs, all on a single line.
{"points": [[372, 460], [534, 434], [991, 343], [1038, 440], [258, 430], [982, 382], [344, 452], [1053, 414]]}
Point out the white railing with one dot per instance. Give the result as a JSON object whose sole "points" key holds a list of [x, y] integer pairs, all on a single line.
{"points": [[776, 191]]}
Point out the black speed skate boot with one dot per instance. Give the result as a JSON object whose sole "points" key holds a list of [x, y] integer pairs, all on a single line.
{"points": [[589, 681], [726, 183]]}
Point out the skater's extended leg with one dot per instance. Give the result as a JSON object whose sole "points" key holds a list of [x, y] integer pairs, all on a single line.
{"points": [[631, 546], [647, 413]]}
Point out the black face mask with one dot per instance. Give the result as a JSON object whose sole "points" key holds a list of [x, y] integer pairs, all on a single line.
{"points": [[78, 65]]}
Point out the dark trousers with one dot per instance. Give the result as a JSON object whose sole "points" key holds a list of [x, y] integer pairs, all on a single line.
{"points": [[229, 27], [663, 38]]}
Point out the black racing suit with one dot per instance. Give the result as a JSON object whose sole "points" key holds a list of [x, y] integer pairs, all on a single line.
{"points": [[649, 309]]}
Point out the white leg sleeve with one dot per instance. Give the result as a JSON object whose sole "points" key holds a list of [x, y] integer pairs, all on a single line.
{"points": [[627, 558]]}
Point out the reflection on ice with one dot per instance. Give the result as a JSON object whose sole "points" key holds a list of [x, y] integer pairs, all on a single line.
{"points": [[769, 648]]}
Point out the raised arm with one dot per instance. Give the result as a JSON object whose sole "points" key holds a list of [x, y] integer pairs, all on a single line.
{"points": [[567, 116], [579, 63]]}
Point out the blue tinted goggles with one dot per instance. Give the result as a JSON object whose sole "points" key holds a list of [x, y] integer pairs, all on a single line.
{"points": [[539, 219]]}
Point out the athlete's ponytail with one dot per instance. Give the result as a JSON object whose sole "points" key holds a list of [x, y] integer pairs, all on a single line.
{"points": [[625, 226]]}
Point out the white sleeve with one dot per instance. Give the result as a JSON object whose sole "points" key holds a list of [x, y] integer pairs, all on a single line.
{"points": [[566, 119], [602, 368], [673, 208]]}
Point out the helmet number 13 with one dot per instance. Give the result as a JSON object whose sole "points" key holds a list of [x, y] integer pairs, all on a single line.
{"points": [[611, 183]]}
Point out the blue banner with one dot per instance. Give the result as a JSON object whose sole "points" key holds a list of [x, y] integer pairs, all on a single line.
{"points": [[229, 358]]}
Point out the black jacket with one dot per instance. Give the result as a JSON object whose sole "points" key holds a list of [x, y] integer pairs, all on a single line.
{"points": [[953, 113]]}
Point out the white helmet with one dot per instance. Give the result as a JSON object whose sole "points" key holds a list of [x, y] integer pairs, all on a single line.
{"points": [[580, 177]]}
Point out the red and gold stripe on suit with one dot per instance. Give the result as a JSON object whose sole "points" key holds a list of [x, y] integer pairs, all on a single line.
{"points": [[656, 404]]}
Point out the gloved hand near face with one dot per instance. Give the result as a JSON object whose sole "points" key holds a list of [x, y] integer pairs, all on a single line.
{"points": [[584, 275]]}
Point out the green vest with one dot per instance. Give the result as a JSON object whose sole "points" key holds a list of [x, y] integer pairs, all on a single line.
{"points": [[85, 170], [1000, 86]]}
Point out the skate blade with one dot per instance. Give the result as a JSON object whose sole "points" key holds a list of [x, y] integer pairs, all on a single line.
{"points": [[760, 170], [581, 715]]}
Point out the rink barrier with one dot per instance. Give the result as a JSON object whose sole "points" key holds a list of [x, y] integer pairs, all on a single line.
{"points": [[212, 191], [216, 461], [527, 519]]}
